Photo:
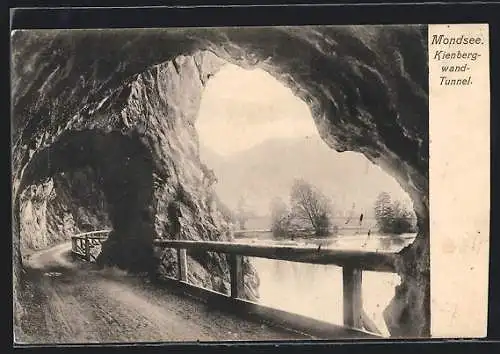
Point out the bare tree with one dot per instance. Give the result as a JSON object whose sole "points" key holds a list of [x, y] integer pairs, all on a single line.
{"points": [[311, 207]]}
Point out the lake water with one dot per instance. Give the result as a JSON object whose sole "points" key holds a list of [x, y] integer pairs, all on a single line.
{"points": [[316, 290]]}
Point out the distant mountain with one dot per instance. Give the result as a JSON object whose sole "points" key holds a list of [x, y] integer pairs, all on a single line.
{"points": [[212, 159], [268, 170]]}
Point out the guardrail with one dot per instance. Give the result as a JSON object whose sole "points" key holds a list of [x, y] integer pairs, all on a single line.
{"points": [[353, 263], [82, 244]]}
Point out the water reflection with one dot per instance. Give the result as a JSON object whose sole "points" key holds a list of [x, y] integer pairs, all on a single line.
{"points": [[306, 289], [316, 290], [377, 243]]}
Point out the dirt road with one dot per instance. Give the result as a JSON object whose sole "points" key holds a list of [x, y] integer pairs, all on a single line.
{"points": [[69, 301]]}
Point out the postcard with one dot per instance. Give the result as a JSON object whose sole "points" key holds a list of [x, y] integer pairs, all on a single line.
{"points": [[250, 183]]}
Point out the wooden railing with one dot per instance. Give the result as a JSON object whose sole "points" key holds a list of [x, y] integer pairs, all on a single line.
{"points": [[82, 244], [353, 264]]}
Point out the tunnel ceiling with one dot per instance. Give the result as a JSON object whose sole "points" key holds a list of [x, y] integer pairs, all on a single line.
{"points": [[366, 86]]}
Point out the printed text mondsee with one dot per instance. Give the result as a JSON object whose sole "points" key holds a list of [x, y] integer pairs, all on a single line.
{"points": [[461, 40]]}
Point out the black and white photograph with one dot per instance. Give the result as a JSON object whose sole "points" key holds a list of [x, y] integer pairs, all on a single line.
{"points": [[220, 184]]}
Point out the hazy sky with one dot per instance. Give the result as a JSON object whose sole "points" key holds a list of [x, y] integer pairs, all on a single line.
{"points": [[242, 108]]}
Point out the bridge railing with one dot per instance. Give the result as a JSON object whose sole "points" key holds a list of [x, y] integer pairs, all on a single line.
{"points": [[353, 264], [82, 244]]}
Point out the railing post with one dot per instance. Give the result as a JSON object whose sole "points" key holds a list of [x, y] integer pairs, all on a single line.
{"points": [[236, 271], [353, 305], [369, 325], [182, 264], [87, 249]]}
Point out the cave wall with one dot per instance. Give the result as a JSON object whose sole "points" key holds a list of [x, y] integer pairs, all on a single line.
{"points": [[161, 104], [155, 109], [63, 205], [123, 167], [365, 85]]}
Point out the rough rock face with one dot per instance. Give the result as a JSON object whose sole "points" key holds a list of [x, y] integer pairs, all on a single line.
{"points": [[153, 114], [161, 104], [64, 205], [97, 97]]}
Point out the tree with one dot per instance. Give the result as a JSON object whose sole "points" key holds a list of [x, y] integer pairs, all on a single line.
{"points": [[384, 212], [209, 176], [310, 207], [392, 217], [280, 218], [242, 214], [402, 221]]}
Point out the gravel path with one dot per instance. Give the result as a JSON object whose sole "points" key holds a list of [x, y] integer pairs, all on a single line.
{"points": [[69, 301]]}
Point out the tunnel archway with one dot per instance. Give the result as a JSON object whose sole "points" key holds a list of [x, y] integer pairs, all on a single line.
{"points": [[258, 137], [366, 87], [124, 171]]}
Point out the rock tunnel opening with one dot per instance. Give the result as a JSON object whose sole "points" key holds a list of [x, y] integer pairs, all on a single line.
{"points": [[86, 181], [62, 205], [366, 88], [256, 139]]}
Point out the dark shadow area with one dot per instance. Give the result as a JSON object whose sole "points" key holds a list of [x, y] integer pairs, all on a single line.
{"points": [[124, 169]]}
